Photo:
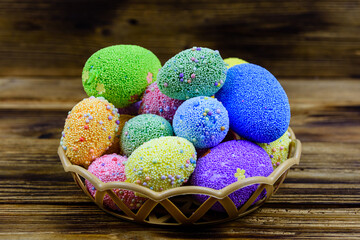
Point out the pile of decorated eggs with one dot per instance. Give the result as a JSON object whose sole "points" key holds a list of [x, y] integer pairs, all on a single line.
{"points": [[165, 126]]}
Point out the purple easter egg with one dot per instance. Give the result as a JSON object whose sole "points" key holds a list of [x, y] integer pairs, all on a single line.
{"points": [[230, 162]]}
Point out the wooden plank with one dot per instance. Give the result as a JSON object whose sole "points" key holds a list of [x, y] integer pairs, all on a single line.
{"points": [[40, 93], [68, 222], [290, 38]]}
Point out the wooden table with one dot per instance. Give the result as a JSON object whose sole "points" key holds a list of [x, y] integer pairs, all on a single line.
{"points": [[320, 198]]}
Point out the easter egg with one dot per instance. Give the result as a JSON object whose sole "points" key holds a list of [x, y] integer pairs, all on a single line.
{"points": [[161, 163], [193, 72], [258, 106], [155, 102], [143, 128], [278, 150], [202, 120], [230, 162], [120, 73], [90, 128], [110, 168], [233, 61]]}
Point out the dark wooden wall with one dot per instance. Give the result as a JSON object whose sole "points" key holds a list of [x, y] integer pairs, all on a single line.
{"points": [[291, 38]]}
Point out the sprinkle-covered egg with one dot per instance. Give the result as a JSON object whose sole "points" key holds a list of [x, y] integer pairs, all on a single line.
{"points": [[193, 72], [120, 73], [89, 130], [258, 106], [161, 163], [110, 168], [156, 102], [143, 128], [278, 150], [202, 120], [230, 162]]}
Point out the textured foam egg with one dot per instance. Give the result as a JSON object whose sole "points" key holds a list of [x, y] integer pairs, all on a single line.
{"points": [[155, 102], [233, 61], [202, 120], [278, 150], [258, 106], [230, 162], [90, 128], [115, 146], [110, 168], [120, 73], [143, 128], [191, 73], [161, 163]]}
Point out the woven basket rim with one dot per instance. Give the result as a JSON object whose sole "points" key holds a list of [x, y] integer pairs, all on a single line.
{"points": [[185, 190]]}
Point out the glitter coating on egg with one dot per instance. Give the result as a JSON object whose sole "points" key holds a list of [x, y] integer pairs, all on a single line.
{"points": [[191, 73], [110, 168], [143, 128], [258, 106], [278, 150], [161, 163], [155, 102], [202, 120], [230, 162], [89, 129], [120, 73]]}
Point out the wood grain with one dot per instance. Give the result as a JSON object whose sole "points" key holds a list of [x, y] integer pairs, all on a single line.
{"points": [[319, 199], [290, 38]]}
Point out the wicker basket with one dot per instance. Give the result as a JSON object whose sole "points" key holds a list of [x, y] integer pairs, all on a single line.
{"points": [[176, 206]]}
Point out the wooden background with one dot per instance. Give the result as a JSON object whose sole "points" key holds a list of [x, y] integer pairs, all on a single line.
{"points": [[290, 38], [313, 47]]}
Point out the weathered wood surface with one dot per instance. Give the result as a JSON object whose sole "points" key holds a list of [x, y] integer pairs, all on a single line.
{"points": [[320, 198], [290, 38]]}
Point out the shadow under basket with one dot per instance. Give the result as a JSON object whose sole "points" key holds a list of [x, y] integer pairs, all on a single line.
{"points": [[177, 206]]}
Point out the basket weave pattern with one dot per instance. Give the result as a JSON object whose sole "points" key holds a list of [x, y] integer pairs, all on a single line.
{"points": [[176, 206]]}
